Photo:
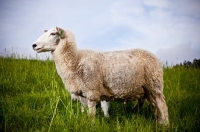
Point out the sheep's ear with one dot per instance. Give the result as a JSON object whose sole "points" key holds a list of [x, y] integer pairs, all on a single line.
{"points": [[57, 28], [45, 31], [61, 32]]}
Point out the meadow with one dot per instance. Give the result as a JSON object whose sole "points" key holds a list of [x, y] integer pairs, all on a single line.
{"points": [[33, 98]]}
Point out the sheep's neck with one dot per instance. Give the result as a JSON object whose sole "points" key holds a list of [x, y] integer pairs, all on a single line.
{"points": [[66, 58]]}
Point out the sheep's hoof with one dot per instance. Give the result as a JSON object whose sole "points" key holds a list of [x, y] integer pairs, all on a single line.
{"points": [[164, 123], [106, 116]]}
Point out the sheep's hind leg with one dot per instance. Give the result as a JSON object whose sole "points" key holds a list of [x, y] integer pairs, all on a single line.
{"points": [[139, 104], [159, 107], [162, 110]]}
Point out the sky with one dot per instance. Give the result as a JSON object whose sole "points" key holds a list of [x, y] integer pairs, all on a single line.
{"points": [[168, 28]]}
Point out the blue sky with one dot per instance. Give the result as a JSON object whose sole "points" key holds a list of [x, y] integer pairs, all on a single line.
{"points": [[170, 29]]}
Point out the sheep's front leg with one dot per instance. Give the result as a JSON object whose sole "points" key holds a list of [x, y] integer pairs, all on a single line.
{"points": [[104, 107], [83, 103], [92, 107]]}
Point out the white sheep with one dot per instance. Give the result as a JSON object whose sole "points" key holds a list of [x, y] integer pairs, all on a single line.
{"points": [[112, 76]]}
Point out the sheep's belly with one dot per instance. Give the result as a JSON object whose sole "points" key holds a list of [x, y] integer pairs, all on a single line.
{"points": [[124, 94], [124, 97]]}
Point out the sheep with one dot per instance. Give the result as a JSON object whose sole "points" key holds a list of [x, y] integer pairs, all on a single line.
{"points": [[125, 76], [104, 104]]}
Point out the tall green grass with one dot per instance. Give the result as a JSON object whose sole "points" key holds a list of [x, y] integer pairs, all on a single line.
{"points": [[33, 98]]}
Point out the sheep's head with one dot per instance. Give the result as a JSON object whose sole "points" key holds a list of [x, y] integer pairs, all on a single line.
{"points": [[49, 40]]}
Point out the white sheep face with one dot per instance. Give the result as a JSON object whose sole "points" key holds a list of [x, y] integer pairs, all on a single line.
{"points": [[48, 41]]}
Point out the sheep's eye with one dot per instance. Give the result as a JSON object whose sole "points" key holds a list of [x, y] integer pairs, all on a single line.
{"points": [[53, 34]]}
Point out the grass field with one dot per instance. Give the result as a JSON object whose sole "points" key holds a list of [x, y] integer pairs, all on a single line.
{"points": [[33, 98]]}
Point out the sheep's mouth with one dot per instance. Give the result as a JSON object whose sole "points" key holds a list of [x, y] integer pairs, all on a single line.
{"points": [[38, 50]]}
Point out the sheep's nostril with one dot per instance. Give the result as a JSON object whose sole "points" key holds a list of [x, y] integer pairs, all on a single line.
{"points": [[34, 45]]}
